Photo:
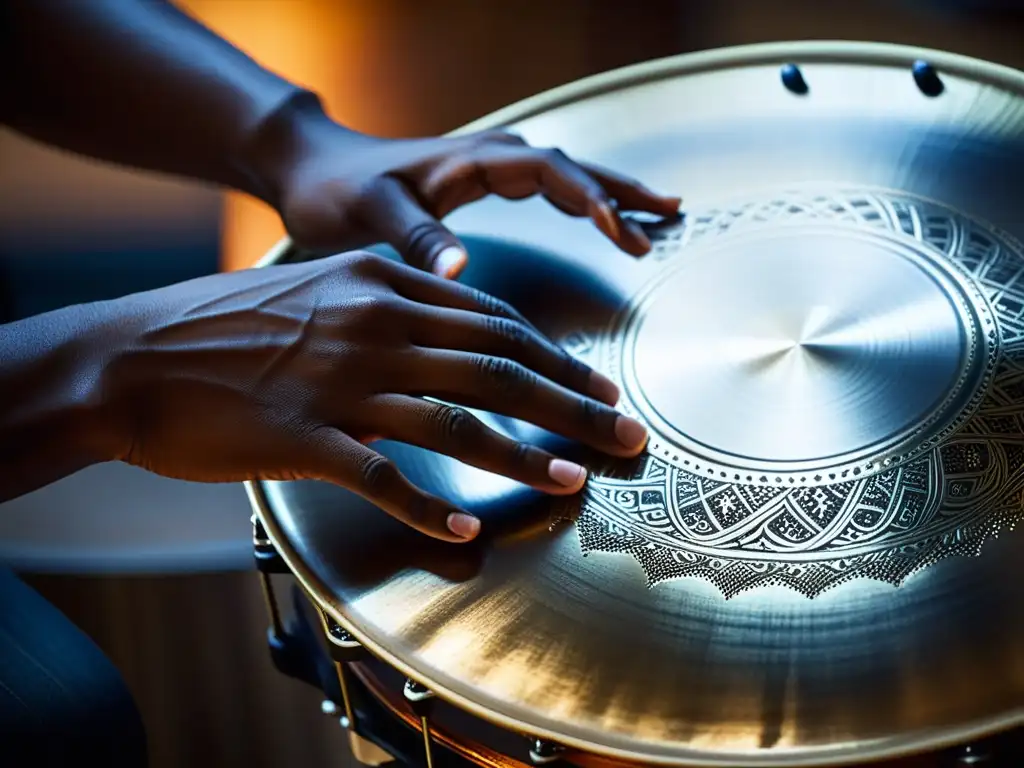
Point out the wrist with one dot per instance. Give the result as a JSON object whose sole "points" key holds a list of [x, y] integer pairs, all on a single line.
{"points": [[57, 416], [93, 340], [283, 140]]}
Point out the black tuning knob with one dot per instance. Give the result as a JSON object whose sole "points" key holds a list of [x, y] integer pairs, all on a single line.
{"points": [[927, 78], [793, 79]]}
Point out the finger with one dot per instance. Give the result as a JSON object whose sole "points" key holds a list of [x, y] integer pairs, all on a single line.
{"points": [[631, 195], [517, 172], [483, 335], [457, 433], [499, 336], [506, 387], [391, 213], [428, 289], [338, 458]]}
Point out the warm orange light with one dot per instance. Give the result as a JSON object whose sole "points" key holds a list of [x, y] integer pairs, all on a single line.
{"points": [[316, 43]]}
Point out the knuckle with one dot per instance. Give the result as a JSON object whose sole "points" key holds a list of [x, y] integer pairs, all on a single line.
{"points": [[481, 139], [520, 454], [592, 415], [575, 369], [515, 138], [365, 263], [501, 135], [372, 311], [492, 305], [509, 331], [376, 473], [553, 156], [421, 239], [454, 423], [417, 510], [506, 376], [371, 192]]}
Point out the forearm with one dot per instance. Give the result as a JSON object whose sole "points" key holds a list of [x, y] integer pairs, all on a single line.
{"points": [[54, 415], [139, 83]]}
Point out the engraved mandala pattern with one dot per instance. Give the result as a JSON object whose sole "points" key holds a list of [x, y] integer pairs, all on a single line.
{"points": [[947, 497]]}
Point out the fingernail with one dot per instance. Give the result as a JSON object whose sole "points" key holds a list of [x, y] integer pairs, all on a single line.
{"points": [[603, 388], [566, 474], [463, 525], [631, 433], [449, 262]]}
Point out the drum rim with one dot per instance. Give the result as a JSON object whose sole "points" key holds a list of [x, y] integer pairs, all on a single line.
{"points": [[774, 53]]}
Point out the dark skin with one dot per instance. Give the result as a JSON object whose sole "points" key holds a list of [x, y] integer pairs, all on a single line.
{"points": [[288, 372]]}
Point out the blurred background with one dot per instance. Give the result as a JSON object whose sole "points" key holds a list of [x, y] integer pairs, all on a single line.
{"points": [[157, 571]]}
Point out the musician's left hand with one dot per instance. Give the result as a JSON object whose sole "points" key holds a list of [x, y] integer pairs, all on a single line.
{"points": [[339, 190]]}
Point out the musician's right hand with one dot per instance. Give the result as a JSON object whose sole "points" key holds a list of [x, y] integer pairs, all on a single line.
{"points": [[288, 372]]}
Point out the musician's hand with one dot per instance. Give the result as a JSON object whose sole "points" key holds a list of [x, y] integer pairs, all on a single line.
{"points": [[288, 372], [339, 190]]}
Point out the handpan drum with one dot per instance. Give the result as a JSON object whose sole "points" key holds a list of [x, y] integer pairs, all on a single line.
{"points": [[815, 561]]}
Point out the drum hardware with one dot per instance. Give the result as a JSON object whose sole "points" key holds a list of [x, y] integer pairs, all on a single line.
{"points": [[421, 699], [395, 705], [545, 752], [269, 562], [927, 79], [973, 755], [793, 79], [293, 655], [293, 651], [343, 649], [288, 647]]}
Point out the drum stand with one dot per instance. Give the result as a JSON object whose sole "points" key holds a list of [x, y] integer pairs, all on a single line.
{"points": [[294, 652]]}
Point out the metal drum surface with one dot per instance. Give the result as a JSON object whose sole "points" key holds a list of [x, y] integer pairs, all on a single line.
{"points": [[815, 562]]}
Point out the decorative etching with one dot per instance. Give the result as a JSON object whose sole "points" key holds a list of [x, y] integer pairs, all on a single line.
{"points": [[956, 489]]}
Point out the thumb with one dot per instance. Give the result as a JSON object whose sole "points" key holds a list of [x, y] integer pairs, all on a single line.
{"points": [[423, 242]]}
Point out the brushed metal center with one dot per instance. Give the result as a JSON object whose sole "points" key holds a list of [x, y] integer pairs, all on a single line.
{"points": [[797, 348]]}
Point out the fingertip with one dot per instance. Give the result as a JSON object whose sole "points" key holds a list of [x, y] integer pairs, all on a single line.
{"points": [[464, 526], [640, 244], [664, 205], [631, 434], [450, 262], [570, 477]]}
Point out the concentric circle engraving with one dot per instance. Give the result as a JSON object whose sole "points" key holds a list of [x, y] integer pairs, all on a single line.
{"points": [[834, 382], [801, 350]]}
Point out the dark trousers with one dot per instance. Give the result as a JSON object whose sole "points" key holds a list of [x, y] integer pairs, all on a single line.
{"points": [[62, 701]]}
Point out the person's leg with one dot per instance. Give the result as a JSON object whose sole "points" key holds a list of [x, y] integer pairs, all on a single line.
{"points": [[62, 702]]}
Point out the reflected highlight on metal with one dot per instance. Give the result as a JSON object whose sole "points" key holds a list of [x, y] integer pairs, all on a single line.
{"points": [[817, 562]]}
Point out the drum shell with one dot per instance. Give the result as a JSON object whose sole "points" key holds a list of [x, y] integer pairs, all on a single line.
{"points": [[480, 743]]}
